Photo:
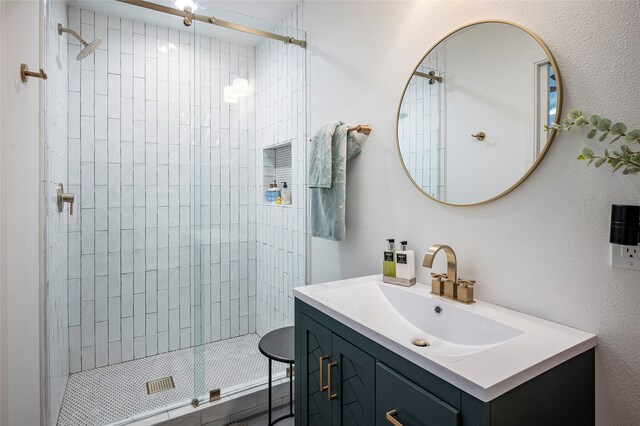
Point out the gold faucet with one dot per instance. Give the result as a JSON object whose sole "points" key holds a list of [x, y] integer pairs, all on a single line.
{"points": [[453, 288]]}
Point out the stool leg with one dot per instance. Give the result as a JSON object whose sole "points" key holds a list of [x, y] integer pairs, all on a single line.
{"points": [[291, 389], [269, 392]]}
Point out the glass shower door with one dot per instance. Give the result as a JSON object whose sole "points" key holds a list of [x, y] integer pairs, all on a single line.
{"points": [[248, 255]]}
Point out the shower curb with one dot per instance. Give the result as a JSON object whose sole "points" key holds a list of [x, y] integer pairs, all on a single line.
{"points": [[230, 408]]}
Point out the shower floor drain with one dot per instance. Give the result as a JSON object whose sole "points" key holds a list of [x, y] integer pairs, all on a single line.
{"points": [[160, 385]]}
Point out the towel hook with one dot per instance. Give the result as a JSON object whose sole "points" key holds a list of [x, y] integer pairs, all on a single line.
{"points": [[25, 73], [361, 128], [480, 136]]}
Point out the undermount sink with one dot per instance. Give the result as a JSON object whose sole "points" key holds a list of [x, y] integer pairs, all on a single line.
{"points": [[452, 331]]}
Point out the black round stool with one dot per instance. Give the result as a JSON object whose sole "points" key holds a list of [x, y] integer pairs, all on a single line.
{"points": [[277, 345]]}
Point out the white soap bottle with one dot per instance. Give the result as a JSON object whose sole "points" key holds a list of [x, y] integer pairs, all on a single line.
{"points": [[405, 265]]}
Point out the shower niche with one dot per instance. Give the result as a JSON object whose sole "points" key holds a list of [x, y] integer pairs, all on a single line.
{"points": [[277, 169], [172, 266]]}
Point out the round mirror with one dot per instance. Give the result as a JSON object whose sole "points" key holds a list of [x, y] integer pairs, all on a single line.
{"points": [[472, 116]]}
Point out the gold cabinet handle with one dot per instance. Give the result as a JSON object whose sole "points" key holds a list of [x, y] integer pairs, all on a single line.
{"points": [[330, 395], [391, 418], [480, 136], [24, 73], [322, 358]]}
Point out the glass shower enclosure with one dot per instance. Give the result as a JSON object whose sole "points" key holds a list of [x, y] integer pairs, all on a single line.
{"points": [[173, 263]]}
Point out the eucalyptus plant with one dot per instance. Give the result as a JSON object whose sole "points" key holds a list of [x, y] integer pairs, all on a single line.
{"points": [[626, 157]]}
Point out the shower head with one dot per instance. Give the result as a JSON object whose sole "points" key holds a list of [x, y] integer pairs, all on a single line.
{"points": [[88, 49]]}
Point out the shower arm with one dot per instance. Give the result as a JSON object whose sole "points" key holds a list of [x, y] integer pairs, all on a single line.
{"points": [[61, 30]]}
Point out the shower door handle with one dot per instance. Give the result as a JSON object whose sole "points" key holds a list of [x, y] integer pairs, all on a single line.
{"points": [[63, 197]]}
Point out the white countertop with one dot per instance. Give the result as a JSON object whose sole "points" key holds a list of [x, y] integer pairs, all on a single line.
{"points": [[486, 372]]}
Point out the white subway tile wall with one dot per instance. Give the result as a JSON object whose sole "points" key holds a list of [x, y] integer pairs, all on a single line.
{"points": [[420, 132], [165, 253], [281, 117], [59, 289], [132, 148]]}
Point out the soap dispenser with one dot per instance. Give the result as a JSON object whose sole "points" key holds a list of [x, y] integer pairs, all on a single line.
{"points": [[389, 261], [405, 266]]}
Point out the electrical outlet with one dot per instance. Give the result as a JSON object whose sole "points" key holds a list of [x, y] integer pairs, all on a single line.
{"points": [[630, 252], [626, 257]]}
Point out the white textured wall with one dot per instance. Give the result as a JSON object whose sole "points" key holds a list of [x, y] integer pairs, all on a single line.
{"points": [[541, 249], [20, 214], [56, 134]]}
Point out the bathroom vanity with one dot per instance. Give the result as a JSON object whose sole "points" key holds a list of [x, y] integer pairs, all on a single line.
{"points": [[484, 365]]}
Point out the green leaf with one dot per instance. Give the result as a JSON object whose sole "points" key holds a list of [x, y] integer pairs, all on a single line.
{"points": [[636, 159], [587, 153], [633, 135], [603, 136], [614, 162], [574, 113], [624, 148], [592, 133], [581, 121], [615, 139], [600, 161], [631, 170], [618, 166], [594, 120], [618, 129], [566, 124], [604, 125], [606, 152]]}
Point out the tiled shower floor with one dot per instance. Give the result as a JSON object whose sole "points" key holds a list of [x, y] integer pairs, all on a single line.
{"points": [[116, 392]]}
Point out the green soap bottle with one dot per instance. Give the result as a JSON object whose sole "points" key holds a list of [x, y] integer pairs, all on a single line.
{"points": [[389, 262]]}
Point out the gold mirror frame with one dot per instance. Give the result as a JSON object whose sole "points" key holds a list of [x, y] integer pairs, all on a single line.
{"points": [[552, 134]]}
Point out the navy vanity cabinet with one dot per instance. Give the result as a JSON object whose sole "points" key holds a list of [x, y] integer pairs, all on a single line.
{"points": [[313, 350], [368, 380], [399, 399], [339, 386]]}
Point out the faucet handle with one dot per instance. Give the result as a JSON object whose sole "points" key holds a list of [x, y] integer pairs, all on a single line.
{"points": [[62, 197], [437, 283], [465, 291], [466, 283]]}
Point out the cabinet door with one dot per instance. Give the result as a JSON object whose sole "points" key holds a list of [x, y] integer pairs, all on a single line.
{"points": [[408, 404], [352, 383], [315, 350]]}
